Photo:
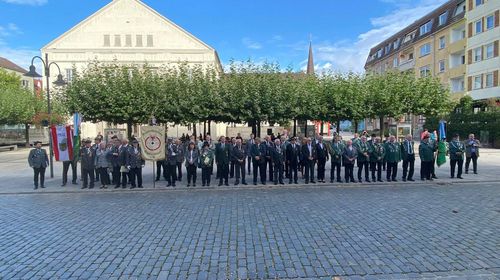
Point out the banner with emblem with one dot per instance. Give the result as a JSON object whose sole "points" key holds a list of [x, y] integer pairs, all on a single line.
{"points": [[62, 142], [152, 142]]}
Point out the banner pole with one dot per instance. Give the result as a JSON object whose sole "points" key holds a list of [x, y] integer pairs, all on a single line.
{"points": [[154, 175]]}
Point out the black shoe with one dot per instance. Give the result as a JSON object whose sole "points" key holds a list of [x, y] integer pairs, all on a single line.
{"points": [[451, 177], [236, 183], [157, 179], [313, 182], [459, 177], [220, 184], [434, 177], [282, 183], [116, 187], [404, 179], [35, 188], [245, 183], [360, 181], [411, 180], [173, 185], [84, 187], [74, 183], [466, 171], [475, 173], [255, 183], [381, 181], [202, 185], [296, 183], [394, 180], [307, 182], [124, 187], [388, 180], [140, 187], [43, 187], [264, 183], [430, 179], [368, 181], [63, 184], [188, 185]]}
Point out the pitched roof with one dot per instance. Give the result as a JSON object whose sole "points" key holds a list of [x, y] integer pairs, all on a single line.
{"points": [[7, 64]]}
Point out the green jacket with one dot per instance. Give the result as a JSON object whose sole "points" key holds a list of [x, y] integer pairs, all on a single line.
{"points": [[456, 150], [206, 159], [362, 148], [222, 155], [426, 150], [392, 152], [377, 153], [336, 150]]}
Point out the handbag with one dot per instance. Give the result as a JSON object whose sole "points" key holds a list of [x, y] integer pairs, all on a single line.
{"points": [[123, 169]]}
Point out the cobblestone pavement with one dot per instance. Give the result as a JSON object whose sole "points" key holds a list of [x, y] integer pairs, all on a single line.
{"points": [[386, 232]]}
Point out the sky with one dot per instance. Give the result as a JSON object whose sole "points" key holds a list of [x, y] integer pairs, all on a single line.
{"points": [[341, 32]]}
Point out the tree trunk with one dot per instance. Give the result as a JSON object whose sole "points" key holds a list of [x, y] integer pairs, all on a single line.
{"points": [[294, 127], [305, 129], [129, 130], [194, 129], [382, 132], [27, 134], [258, 128], [355, 126], [321, 130], [204, 128], [338, 127], [210, 127]]}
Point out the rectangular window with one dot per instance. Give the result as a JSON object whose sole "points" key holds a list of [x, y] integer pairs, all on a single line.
{"points": [[69, 75], [478, 54], [443, 17], [138, 40], [441, 66], [442, 42], [425, 71], [128, 40], [489, 80], [479, 2], [396, 44], [490, 22], [150, 40], [107, 41], [477, 82], [118, 41], [387, 49], [410, 56], [479, 27], [463, 59], [489, 50], [425, 49], [426, 28], [379, 53], [395, 62], [25, 83]]}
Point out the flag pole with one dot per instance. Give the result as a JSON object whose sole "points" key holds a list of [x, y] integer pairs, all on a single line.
{"points": [[154, 175]]}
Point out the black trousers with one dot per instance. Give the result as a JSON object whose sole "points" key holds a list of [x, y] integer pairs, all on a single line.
{"points": [[39, 173], [88, 174], [240, 171], [293, 172], [125, 178], [426, 169], [453, 164], [309, 170], [376, 167], [361, 165], [278, 172], [206, 173], [409, 167], [348, 172], [171, 177], [159, 166], [473, 157], [231, 169], [286, 169], [136, 176], [321, 169], [96, 174], [392, 170], [224, 172], [179, 171], [66, 165], [191, 173], [271, 173], [249, 163], [335, 170], [116, 175], [259, 167], [103, 174]]}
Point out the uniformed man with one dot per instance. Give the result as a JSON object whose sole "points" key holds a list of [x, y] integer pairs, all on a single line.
{"points": [[309, 158], [180, 158], [408, 154], [293, 158], [269, 160], [392, 157], [278, 157], [456, 152], [377, 157], [322, 156], [249, 144], [471, 153], [232, 162], [239, 155], [259, 152], [122, 151], [336, 150], [95, 147], [135, 163], [66, 165], [115, 161], [363, 158], [426, 153], [222, 157], [87, 158], [349, 157], [38, 160], [171, 151]]}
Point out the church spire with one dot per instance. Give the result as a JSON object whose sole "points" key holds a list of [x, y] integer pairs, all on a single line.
{"points": [[310, 62]]}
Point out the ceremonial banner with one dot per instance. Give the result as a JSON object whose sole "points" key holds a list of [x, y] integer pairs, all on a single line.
{"points": [[62, 142], [152, 142], [77, 121]]}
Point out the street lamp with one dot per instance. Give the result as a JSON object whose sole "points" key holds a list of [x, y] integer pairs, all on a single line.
{"points": [[59, 82]]}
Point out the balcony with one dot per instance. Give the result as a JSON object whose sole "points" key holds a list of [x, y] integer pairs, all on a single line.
{"points": [[406, 65]]}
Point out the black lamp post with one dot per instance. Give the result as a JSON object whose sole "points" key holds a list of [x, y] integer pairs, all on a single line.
{"points": [[59, 82]]}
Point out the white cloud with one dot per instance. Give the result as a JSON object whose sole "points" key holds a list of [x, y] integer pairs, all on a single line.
{"points": [[27, 2], [21, 55], [251, 44], [351, 55]]}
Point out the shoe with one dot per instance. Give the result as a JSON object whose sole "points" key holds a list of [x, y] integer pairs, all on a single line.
{"points": [[360, 181], [368, 181], [404, 180], [105, 187], [459, 177], [140, 187], [451, 177], [101, 187], [236, 183], [35, 188], [475, 173], [255, 183], [173, 185], [116, 187], [313, 182], [296, 183], [430, 179], [282, 183], [124, 187], [157, 179], [84, 187], [63, 185], [307, 182], [226, 184], [188, 185], [394, 180], [434, 177], [411, 180], [264, 183], [43, 187], [245, 183], [388, 180], [380, 181], [220, 184], [466, 171], [202, 185], [194, 185]]}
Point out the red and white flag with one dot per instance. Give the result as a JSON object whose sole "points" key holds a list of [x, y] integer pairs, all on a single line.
{"points": [[62, 142]]}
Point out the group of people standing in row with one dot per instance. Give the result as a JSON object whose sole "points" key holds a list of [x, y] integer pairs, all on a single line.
{"points": [[272, 159]]}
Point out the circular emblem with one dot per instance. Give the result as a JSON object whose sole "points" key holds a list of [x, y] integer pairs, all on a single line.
{"points": [[152, 143]]}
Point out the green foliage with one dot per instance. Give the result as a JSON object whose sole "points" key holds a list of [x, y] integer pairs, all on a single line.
{"points": [[17, 104]]}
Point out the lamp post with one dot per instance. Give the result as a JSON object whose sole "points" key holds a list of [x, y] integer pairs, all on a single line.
{"points": [[59, 82]]}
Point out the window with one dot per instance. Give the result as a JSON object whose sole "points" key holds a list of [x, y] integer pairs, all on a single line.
{"points": [[387, 49], [107, 41], [138, 40], [425, 71], [479, 2], [442, 42], [441, 66], [379, 53], [443, 17], [409, 37], [426, 28], [478, 54], [490, 22], [479, 27], [477, 82], [69, 75], [395, 62], [118, 41], [128, 40], [463, 59], [150, 40], [25, 83], [425, 49], [463, 34], [489, 50], [460, 8], [396, 44], [410, 56], [489, 80]]}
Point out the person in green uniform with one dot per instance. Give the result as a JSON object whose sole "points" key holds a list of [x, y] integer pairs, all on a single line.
{"points": [[456, 153], [336, 150], [206, 162], [377, 155], [363, 158], [426, 152], [392, 157]]}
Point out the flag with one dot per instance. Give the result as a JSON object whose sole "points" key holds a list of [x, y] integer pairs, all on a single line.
{"points": [[152, 142], [76, 147], [62, 142], [442, 130], [77, 121], [442, 149]]}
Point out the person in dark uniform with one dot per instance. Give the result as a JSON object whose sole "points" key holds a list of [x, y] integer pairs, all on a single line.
{"points": [[206, 164], [95, 147], [249, 145], [239, 156], [363, 159], [222, 157], [38, 160], [377, 156], [87, 158], [456, 152], [336, 150], [171, 151], [259, 152], [191, 157], [426, 153], [269, 160], [392, 157], [278, 157], [66, 164], [408, 154], [135, 163], [293, 159], [115, 161], [309, 157], [232, 162], [180, 158], [322, 155], [471, 153], [349, 157]]}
